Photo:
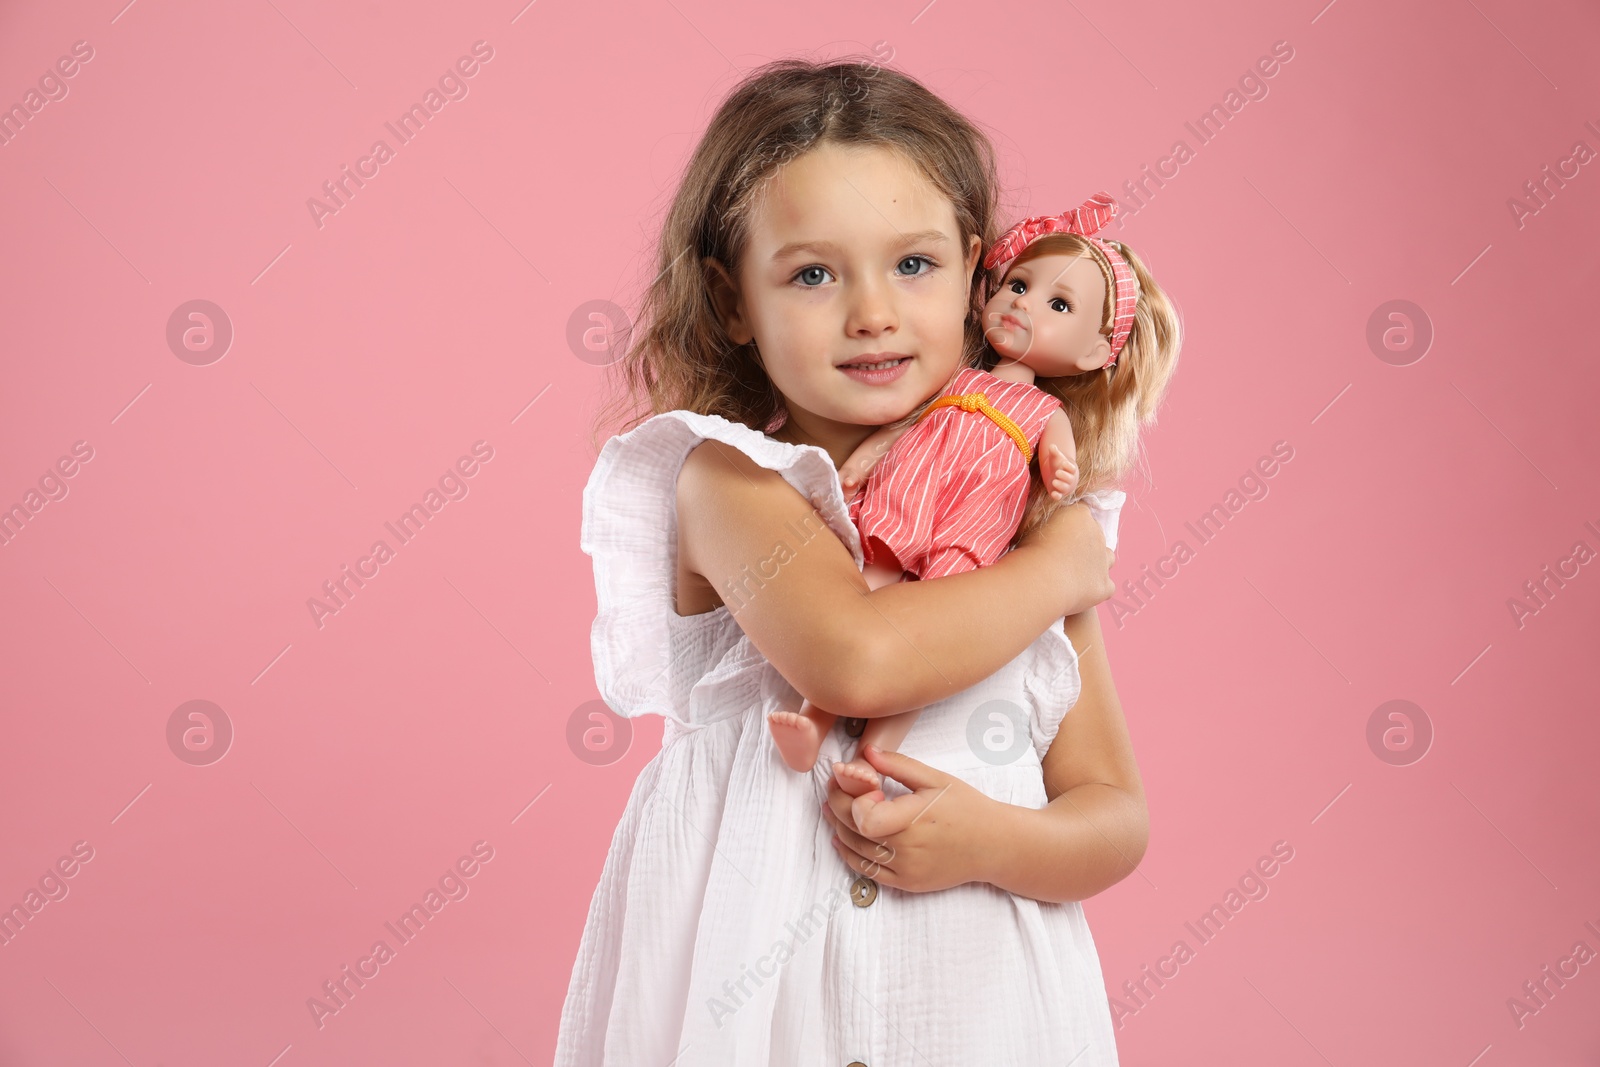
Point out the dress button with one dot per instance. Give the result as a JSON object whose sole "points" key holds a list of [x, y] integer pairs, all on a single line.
{"points": [[863, 891], [855, 727]]}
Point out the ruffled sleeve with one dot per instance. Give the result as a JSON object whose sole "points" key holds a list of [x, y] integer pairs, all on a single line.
{"points": [[1106, 507], [630, 530], [1052, 682]]}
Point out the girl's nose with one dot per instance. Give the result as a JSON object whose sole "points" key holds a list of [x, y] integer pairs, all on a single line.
{"points": [[872, 311]]}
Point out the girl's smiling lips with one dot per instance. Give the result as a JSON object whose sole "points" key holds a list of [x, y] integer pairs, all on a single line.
{"points": [[877, 368]]}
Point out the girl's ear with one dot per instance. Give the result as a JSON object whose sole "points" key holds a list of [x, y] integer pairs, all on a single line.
{"points": [[974, 250], [725, 299]]}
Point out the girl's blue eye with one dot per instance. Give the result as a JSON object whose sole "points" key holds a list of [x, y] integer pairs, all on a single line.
{"points": [[917, 259], [812, 271]]}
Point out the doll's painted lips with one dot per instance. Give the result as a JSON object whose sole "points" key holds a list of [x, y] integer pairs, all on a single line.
{"points": [[879, 368], [1011, 321]]}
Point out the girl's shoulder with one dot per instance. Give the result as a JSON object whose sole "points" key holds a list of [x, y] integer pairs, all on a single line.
{"points": [[630, 531], [642, 466], [654, 451]]}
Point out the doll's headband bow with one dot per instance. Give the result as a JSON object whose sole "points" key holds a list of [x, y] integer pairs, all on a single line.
{"points": [[1085, 221]]}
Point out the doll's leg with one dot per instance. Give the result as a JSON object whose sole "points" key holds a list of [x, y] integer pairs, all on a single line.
{"points": [[798, 734], [857, 776]]}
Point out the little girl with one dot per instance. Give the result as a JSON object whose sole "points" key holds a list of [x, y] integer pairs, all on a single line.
{"points": [[818, 230], [952, 486]]}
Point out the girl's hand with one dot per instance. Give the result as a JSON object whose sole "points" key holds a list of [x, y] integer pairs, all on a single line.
{"points": [[1075, 557], [933, 838]]}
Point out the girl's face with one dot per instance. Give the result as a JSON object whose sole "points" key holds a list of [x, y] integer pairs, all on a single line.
{"points": [[854, 286], [1047, 315]]}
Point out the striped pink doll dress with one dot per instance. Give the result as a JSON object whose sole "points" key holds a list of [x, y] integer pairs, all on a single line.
{"points": [[947, 497]]}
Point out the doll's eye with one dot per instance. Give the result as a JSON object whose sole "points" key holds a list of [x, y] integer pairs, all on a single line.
{"points": [[917, 259], [1017, 285], [1059, 304], [812, 273]]}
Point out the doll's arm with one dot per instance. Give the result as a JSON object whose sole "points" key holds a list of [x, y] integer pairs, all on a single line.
{"points": [[862, 652], [853, 473], [1058, 456]]}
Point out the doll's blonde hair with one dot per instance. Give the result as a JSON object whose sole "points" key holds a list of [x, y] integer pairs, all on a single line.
{"points": [[1110, 406], [678, 356]]}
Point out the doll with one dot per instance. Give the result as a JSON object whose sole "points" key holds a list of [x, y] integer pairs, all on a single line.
{"points": [[947, 490]]}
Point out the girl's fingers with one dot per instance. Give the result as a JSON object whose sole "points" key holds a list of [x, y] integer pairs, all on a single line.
{"points": [[843, 826], [909, 772], [829, 814], [856, 842], [876, 856], [863, 854], [871, 868]]}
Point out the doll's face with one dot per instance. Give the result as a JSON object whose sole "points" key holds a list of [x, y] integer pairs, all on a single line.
{"points": [[854, 284], [1047, 315]]}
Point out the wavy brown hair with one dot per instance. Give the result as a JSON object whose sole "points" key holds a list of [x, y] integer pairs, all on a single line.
{"points": [[678, 356]]}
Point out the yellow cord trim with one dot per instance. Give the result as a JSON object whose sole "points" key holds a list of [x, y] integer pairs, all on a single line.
{"points": [[979, 402]]}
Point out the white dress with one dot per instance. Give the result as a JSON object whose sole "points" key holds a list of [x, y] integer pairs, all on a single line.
{"points": [[725, 929]]}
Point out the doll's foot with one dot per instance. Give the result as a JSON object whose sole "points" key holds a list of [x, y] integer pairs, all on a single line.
{"points": [[856, 777], [797, 737]]}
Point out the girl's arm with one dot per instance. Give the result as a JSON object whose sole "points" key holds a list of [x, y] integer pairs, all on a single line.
{"points": [[1093, 832], [1090, 836], [798, 595]]}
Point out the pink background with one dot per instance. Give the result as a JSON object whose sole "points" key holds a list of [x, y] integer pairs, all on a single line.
{"points": [[369, 354]]}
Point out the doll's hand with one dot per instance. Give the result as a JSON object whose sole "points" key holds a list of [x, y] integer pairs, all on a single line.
{"points": [[853, 471], [931, 839], [1059, 472]]}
